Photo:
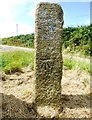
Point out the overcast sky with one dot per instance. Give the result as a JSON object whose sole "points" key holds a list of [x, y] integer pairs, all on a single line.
{"points": [[22, 12]]}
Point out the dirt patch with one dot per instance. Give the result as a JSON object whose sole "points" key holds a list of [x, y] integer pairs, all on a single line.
{"points": [[18, 94]]}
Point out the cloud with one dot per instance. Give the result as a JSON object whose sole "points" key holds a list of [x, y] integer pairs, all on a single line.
{"points": [[87, 22], [10, 29], [10, 10], [7, 29], [7, 8], [25, 29]]}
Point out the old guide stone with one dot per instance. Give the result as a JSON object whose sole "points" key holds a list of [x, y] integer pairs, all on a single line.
{"points": [[48, 58]]}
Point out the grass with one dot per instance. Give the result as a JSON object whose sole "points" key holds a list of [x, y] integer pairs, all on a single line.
{"points": [[15, 60], [73, 64], [85, 66], [69, 63]]}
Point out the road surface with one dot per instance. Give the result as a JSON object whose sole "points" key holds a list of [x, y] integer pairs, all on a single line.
{"points": [[11, 48]]}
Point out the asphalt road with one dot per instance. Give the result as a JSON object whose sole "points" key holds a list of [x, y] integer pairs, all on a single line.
{"points": [[13, 48]]}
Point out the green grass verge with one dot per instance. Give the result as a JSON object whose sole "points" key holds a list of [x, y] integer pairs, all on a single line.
{"points": [[13, 61], [69, 63], [85, 66], [73, 64]]}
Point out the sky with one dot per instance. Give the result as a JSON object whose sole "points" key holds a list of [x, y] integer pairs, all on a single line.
{"points": [[22, 13]]}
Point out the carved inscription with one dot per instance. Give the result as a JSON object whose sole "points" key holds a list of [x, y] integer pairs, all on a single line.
{"points": [[46, 64]]}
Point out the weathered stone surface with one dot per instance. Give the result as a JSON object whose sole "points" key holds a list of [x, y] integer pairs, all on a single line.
{"points": [[48, 58]]}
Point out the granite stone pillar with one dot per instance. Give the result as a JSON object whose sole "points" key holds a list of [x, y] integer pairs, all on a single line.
{"points": [[48, 58]]}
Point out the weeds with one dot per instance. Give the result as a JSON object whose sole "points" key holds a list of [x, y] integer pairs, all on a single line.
{"points": [[13, 61], [69, 63], [74, 64], [85, 66]]}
